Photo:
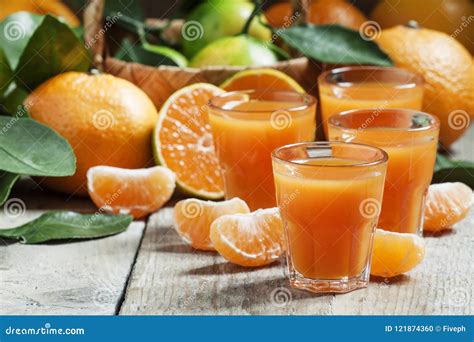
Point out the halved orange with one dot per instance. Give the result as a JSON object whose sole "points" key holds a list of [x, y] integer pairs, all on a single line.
{"points": [[261, 79], [395, 253], [253, 239], [446, 204], [194, 217], [183, 141], [126, 191]]}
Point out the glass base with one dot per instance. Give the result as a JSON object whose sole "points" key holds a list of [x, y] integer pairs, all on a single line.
{"points": [[328, 285]]}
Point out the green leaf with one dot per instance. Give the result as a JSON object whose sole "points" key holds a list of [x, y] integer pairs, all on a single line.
{"points": [[448, 170], [333, 44], [15, 33], [53, 49], [6, 74], [60, 225], [137, 53], [12, 101], [7, 180], [28, 147]]}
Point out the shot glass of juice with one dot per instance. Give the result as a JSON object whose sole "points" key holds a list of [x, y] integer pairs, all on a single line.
{"points": [[410, 139], [368, 87], [329, 195], [247, 126]]}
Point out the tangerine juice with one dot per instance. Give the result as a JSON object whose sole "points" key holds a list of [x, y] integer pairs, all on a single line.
{"points": [[368, 87], [247, 127], [410, 139], [329, 206]]}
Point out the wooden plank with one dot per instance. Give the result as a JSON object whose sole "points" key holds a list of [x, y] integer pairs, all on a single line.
{"points": [[172, 278], [85, 277]]}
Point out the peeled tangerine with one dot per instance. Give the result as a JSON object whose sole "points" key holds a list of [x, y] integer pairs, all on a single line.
{"points": [[194, 217], [126, 191], [253, 239], [395, 253], [446, 204]]}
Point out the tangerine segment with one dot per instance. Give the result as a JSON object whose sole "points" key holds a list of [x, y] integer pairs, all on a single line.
{"points": [[261, 79], [125, 191], [253, 239], [395, 253], [446, 204], [183, 141], [194, 217]]}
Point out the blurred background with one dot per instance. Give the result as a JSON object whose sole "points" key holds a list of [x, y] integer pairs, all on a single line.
{"points": [[159, 8]]}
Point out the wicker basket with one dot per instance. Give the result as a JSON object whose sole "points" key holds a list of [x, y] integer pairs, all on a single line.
{"points": [[160, 82]]}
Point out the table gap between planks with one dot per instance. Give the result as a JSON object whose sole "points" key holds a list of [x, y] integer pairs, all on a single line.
{"points": [[149, 270]]}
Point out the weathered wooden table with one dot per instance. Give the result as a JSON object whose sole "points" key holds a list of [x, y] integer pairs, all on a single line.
{"points": [[148, 270]]}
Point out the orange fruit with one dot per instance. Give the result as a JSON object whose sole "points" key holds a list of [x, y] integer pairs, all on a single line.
{"points": [[136, 192], [253, 239], [183, 141], [395, 253], [446, 204], [448, 16], [54, 7], [194, 217], [448, 71], [261, 78], [106, 119], [321, 12]]}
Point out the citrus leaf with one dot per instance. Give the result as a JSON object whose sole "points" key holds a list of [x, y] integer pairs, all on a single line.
{"points": [[6, 74], [7, 180], [53, 49], [60, 225], [12, 101], [333, 44], [28, 147], [448, 170], [15, 33]]}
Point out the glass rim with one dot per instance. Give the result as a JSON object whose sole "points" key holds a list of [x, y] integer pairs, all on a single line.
{"points": [[434, 121], [417, 80], [383, 159], [308, 100]]}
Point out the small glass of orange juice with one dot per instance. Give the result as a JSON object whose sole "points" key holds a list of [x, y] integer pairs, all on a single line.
{"points": [[247, 126], [329, 196], [410, 139], [360, 87]]}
